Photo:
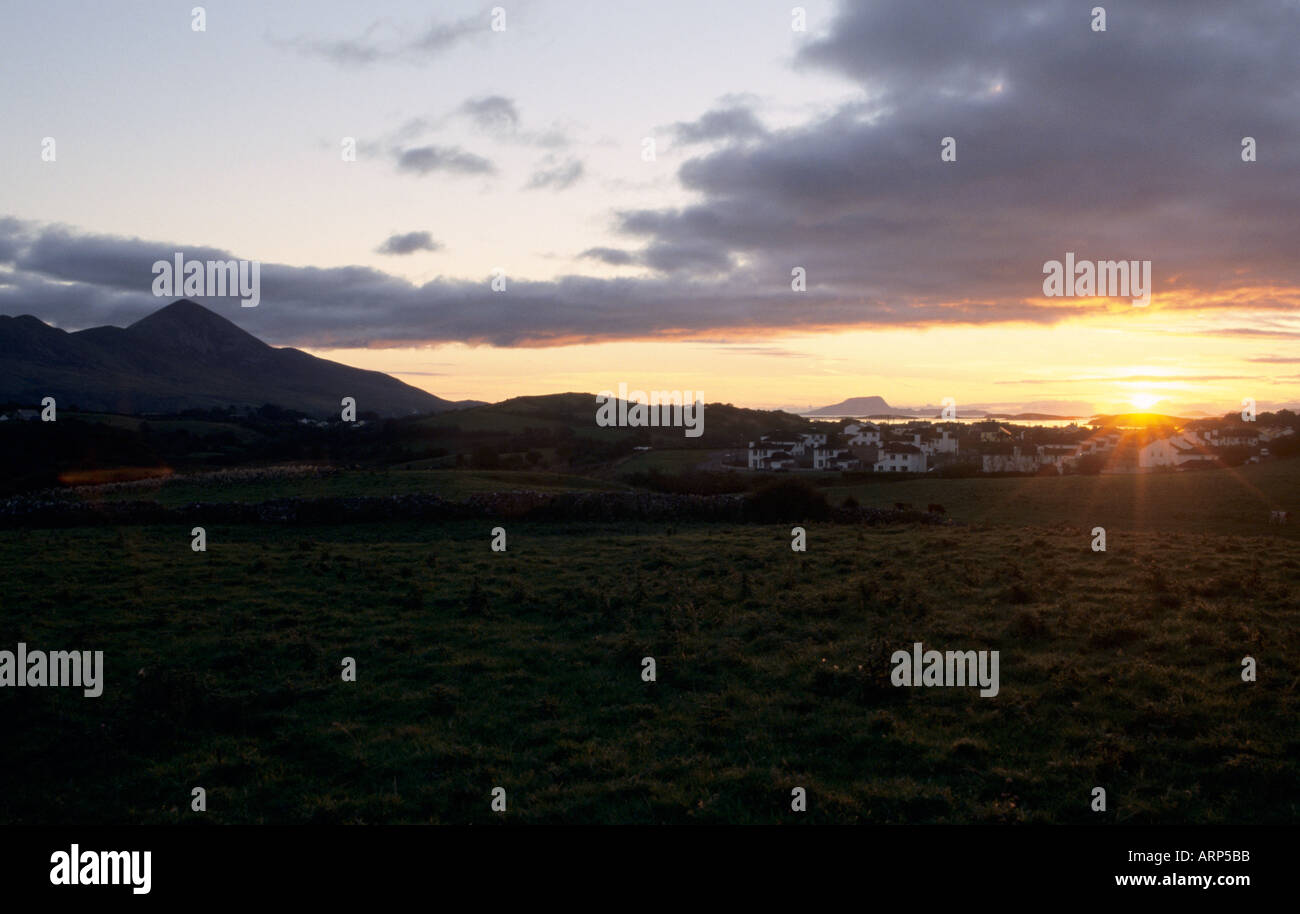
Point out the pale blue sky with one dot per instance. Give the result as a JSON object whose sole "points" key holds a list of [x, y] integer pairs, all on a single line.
{"points": [[230, 137]]}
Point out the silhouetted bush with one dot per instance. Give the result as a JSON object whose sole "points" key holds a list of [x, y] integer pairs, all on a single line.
{"points": [[786, 500], [1091, 464]]}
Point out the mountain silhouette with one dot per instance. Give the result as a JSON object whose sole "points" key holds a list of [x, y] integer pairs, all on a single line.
{"points": [[181, 357], [857, 406]]}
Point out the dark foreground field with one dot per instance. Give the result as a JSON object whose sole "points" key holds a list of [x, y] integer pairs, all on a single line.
{"points": [[523, 670]]}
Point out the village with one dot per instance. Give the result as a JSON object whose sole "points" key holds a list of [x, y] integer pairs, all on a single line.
{"points": [[993, 447]]}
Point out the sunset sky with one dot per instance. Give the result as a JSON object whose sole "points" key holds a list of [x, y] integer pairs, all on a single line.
{"points": [[522, 150]]}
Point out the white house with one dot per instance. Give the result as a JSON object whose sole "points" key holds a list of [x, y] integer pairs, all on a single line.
{"points": [[808, 441], [1232, 437], [1176, 451], [1057, 455], [896, 457], [832, 457], [992, 433], [1015, 462], [1099, 444], [862, 434], [945, 444], [763, 452]]}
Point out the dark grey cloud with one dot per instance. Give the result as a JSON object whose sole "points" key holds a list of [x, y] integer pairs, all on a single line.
{"points": [[495, 116], [60, 254], [492, 113], [555, 174], [1123, 144], [423, 160], [667, 257], [384, 41], [439, 36], [409, 243], [611, 256], [499, 117], [410, 130], [81, 280], [11, 230], [734, 123], [670, 257]]}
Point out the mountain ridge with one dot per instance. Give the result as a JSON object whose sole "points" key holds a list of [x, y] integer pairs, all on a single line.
{"points": [[186, 356]]}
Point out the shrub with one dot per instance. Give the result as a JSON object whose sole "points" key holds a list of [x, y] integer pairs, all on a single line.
{"points": [[786, 500]]}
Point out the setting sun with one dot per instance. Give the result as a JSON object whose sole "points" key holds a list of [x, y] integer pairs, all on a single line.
{"points": [[1144, 401]]}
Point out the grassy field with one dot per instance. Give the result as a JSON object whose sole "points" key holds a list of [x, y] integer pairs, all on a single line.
{"points": [[182, 490], [1225, 501], [1236, 500], [670, 460], [193, 426], [522, 670]]}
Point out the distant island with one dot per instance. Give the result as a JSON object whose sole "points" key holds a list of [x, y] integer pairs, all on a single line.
{"points": [[878, 408]]}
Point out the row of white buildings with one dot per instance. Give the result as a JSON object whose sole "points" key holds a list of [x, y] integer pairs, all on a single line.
{"points": [[865, 446], [1191, 447], [1186, 449], [862, 447]]}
